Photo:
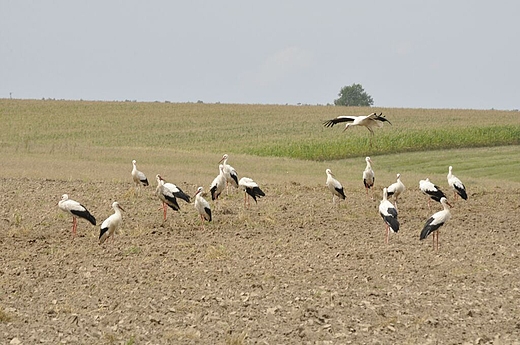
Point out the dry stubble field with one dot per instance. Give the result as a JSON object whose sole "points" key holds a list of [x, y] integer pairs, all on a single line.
{"points": [[292, 269]]}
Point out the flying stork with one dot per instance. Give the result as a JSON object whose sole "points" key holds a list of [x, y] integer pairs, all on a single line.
{"points": [[370, 121]]}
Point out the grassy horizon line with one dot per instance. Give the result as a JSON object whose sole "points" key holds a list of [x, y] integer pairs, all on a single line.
{"points": [[262, 130]]}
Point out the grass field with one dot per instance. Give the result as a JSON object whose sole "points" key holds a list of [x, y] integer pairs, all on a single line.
{"points": [[95, 140], [292, 269]]}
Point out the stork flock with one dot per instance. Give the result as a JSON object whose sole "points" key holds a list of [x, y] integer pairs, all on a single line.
{"points": [[168, 193], [389, 210]]}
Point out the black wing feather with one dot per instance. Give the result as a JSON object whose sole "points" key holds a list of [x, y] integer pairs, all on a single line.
{"points": [[462, 192], [381, 118], [429, 228], [85, 215], [181, 195], [341, 192], [339, 119], [392, 222], [255, 192]]}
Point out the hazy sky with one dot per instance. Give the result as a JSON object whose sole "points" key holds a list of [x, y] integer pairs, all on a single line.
{"points": [[412, 54]]}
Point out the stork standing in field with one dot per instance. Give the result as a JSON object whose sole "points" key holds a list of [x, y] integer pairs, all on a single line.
{"points": [[111, 224], [229, 172], [435, 222], [395, 189], [76, 210], [335, 187], [218, 184], [430, 189], [389, 214], [369, 176], [166, 196], [202, 206], [138, 177], [250, 188], [369, 121], [456, 185], [179, 193]]}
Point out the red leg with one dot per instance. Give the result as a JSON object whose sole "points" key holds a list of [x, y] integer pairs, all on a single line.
{"points": [[202, 222], [164, 210], [74, 225]]}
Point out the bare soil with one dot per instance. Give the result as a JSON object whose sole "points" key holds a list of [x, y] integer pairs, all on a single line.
{"points": [[292, 269]]}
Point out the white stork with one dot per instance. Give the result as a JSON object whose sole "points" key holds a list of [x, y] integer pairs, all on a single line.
{"points": [[456, 185], [250, 188], [437, 220], [229, 172], [370, 121], [166, 196], [430, 189], [389, 214], [218, 184], [202, 206], [75, 209], [335, 187], [369, 176], [396, 188], [138, 177], [179, 193], [111, 224]]}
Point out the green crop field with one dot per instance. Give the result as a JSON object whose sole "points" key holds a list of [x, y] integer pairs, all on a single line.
{"points": [[74, 139]]}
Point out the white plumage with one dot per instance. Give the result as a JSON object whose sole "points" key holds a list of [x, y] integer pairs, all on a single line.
{"points": [[202, 206], [334, 186], [179, 193], [138, 177], [437, 220], [229, 172], [75, 209], [370, 121], [396, 188], [218, 184], [166, 196], [456, 185], [389, 214], [430, 189], [111, 224], [369, 176], [250, 188]]}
